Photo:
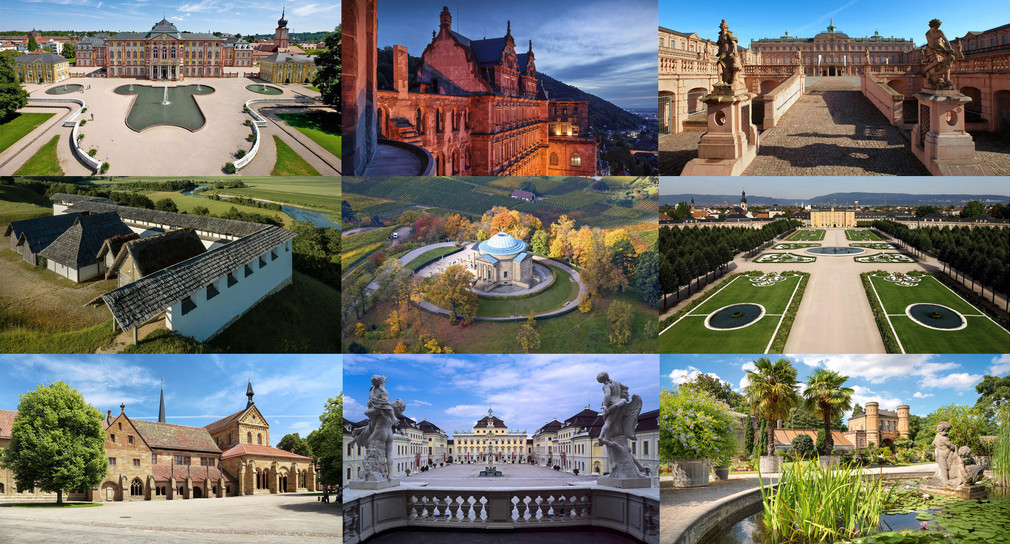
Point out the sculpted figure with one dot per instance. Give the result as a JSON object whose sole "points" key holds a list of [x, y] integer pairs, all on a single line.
{"points": [[799, 57], [945, 452], [964, 471], [620, 415], [938, 56], [377, 438], [729, 61]]}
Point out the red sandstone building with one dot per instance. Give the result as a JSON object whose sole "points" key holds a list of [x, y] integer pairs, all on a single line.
{"points": [[477, 107]]}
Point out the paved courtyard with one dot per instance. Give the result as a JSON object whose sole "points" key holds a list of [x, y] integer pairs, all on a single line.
{"points": [[513, 475], [168, 150], [265, 518]]}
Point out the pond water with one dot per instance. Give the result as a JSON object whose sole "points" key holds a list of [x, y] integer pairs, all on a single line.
{"points": [[264, 89], [933, 315], [735, 316], [835, 250], [65, 88], [318, 219], [164, 106]]}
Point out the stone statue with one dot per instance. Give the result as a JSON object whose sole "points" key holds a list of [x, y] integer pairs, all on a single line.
{"points": [[945, 450], [620, 415], [377, 437], [956, 466], [729, 61], [938, 56], [867, 56], [799, 57]]}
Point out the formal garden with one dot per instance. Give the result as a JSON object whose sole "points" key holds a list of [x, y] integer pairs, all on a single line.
{"points": [[946, 478], [885, 258], [862, 235], [784, 258], [807, 234]]}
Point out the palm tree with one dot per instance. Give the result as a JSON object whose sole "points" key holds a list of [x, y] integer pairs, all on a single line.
{"points": [[826, 398], [771, 392]]}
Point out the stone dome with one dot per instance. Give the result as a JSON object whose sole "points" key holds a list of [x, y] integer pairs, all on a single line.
{"points": [[502, 244]]}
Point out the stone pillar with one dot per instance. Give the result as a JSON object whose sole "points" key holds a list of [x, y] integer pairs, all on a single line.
{"points": [[293, 473], [360, 59], [151, 492], [939, 139], [731, 142], [903, 421], [873, 423], [275, 478], [400, 71], [310, 478], [189, 488], [171, 488], [241, 484]]}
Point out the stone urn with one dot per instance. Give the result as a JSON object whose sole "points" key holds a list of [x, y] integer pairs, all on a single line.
{"points": [[690, 472], [769, 464], [720, 473], [828, 460]]}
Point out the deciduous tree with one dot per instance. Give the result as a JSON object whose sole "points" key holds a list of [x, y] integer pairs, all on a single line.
{"points": [[328, 68], [12, 96], [295, 444], [452, 290], [619, 322], [325, 441]]}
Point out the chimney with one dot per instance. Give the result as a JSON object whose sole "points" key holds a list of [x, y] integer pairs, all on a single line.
{"points": [[400, 79]]}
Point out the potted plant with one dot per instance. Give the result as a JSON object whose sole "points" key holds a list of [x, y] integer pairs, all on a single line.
{"points": [[695, 428], [720, 472]]}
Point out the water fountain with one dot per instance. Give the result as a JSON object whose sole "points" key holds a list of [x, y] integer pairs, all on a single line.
{"points": [[164, 101], [131, 87]]}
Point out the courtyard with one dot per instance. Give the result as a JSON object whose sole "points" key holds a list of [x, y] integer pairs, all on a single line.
{"points": [[202, 127], [274, 518]]}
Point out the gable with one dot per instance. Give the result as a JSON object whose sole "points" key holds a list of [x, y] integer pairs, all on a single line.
{"points": [[252, 416], [122, 428]]}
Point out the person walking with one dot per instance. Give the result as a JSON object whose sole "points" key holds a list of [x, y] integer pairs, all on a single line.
{"points": [[326, 493]]}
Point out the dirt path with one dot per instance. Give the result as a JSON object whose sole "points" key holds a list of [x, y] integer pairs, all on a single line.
{"points": [[50, 301]]}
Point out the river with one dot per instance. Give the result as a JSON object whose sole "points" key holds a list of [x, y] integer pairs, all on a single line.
{"points": [[318, 219]]}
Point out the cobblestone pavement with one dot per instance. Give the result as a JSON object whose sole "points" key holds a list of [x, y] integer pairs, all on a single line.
{"points": [[675, 150], [834, 133], [994, 148], [267, 518]]}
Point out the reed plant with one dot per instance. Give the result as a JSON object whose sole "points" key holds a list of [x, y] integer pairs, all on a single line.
{"points": [[818, 504], [1001, 449]]}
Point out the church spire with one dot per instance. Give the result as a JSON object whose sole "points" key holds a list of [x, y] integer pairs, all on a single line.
{"points": [[161, 411], [249, 393]]}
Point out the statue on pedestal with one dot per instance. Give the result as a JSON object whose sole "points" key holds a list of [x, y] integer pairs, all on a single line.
{"points": [[729, 61], [377, 437], [938, 56], [620, 416]]}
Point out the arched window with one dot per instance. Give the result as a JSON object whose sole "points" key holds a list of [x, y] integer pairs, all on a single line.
{"points": [[439, 123], [259, 439], [576, 159], [248, 438], [419, 121], [455, 121], [554, 159], [136, 488]]}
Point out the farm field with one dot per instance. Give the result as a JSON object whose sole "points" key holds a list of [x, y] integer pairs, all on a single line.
{"points": [[981, 335], [17, 203], [187, 204], [689, 334], [862, 235], [20, 126], [313, 193], [807, 235]]}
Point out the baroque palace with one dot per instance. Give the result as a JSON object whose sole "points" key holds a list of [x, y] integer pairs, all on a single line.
{"points": [[161, 461], [477, 108]]}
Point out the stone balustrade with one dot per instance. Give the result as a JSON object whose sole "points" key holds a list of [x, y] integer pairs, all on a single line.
{"points": [[884, 98], [260, 121], [779, 100], [631, 511], [72, 121]]}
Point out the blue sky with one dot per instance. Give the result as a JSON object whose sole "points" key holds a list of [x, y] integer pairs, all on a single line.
{"points": [[806, 187], [923, 382], [290, 390], [525, 391], [229, 16], [603, 47], [858, 18]]}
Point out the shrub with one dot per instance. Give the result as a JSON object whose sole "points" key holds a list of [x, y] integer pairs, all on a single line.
{"points": [[803, 446], [84, 110], [80, 137], [83, 122], [92, 152], [694, 424], [251, 137], [104, 168], [248, 122], [779, 452], [240, 153], [229, 167]]}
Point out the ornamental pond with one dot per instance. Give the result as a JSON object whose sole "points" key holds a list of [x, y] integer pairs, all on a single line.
{"points": [[165, 105]]}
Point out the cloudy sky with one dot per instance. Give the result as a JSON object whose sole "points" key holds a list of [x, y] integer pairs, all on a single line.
{"points": [[525, 391], [290, 390], [229, 16], [603, 47], [858, 18], [806, 187], [923, 382]]}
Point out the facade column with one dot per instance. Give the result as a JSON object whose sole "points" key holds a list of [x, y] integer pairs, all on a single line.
{"points": [[240, 485]]}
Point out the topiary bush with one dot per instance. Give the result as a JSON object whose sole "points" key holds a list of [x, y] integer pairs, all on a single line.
{"points": [[104, 168], [803, 447], [92, 152], [240, 153], [229, 168]]}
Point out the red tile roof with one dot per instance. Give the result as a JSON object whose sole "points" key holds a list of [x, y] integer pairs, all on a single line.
{"points": [[784, 437], [175, 437], [6, 422], [249, 449], [222, 423], [163, 473]]}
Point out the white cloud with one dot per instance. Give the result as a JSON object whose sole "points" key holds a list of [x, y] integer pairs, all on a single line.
{"points": [[680, 376], [309, 9], [959, 380], [875, 369], [300, 425], [920, 395], [105, 381], [862, 395], [1000, 365], [472, 410], [420, 402], [353, 410]]}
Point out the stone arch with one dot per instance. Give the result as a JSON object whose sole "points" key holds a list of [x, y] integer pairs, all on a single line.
{"points": [[1001, 103], [419, 120], [694, 103], [136, 489], [248, 438], [455, 162], [973, 109], [439, 120], [197, 492], [554, 159], [768, 86], [109, 492], [667, 112], [259, 439], [381, 116], [576, 160], [898, 85], [455, 120]]}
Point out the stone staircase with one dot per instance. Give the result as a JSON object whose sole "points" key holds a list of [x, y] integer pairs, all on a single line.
{"points": [[406, 131]]}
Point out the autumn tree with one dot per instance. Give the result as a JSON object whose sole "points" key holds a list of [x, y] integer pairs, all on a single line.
{"points": [[57, 442], [599, 273], [540, 243], [529, 338], [560, 247], [585, 303], [452, 290], [619, 322]]}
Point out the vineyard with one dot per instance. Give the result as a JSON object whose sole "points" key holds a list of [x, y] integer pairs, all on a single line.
{"points": [[356, 246]]}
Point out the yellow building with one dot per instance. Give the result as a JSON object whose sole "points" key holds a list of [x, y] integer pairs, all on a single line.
{"points": [[42, 68], [287, 68], [490, 441], [832, 218]]}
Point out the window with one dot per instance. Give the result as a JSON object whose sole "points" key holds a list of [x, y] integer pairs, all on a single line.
{"points": [[645, 448], [554, 159], [120, 425], [259, 438], [136, 462], [248, 271], [112, 438], [154, 458], [112, 461], [576, 159], [136, 488], [231, 280], [229, 439], [129, 440], [248, 438], [188, 305], [212, 292]]}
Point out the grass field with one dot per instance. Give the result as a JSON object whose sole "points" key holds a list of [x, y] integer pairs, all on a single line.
{"points": [[321, 127], [562, 290], [807, 235], [689, 334], [187, 203], [356, 246], [981, 335], [862, 235], [429, 256], [290, 163], [312, 193], [44, 162], [794, 246], [17, 203], [19, 127]]}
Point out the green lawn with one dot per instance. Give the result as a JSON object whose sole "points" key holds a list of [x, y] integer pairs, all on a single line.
{"points": [[17, 203], [187, 204], [809, 235], [18, 339], [44, 162], [689, 334], [20, 126], [312, 193], [562, 290], [322, 127], [290, 163], [862, 235], [429, 256], [980, 336]]}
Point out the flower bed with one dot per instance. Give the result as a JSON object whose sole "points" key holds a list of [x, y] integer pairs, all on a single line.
{"points": [[885, 258], [784, 258]]}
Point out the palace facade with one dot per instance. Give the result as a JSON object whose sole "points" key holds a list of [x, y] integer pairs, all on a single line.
{"points": [[833, 53], [41, 67], [150, 460], [833, 219], [881, 427]]}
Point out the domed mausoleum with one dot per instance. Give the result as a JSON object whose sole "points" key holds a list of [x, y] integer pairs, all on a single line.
{"points": [[503, 260]]}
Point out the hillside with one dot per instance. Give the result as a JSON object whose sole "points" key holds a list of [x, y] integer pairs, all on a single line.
{"points": [[602, 114], [864, 199]]}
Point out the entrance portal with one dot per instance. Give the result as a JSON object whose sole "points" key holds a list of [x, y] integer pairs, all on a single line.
{"points": [[197, 493]]}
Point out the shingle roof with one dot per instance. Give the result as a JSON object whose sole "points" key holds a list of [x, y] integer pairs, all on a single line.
{"points": [[216, 225], [78, 246], [429, 427], [581, 419], [250, 449], [648, 421], [487, 51], [114, 244], [66, 198], [163, 473], [285, 57], [160, 251], [40, 232], [7, 422], [175, 437], [224, 422], [549, 427], [135, 303]]}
